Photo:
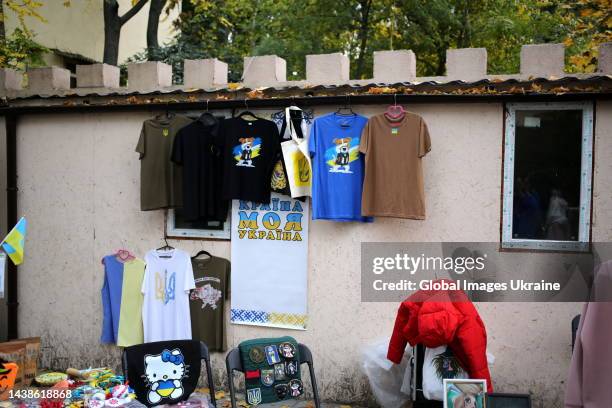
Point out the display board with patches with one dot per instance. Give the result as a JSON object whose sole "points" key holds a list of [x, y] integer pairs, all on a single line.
{"points": [[269, 263], [271, 369]]}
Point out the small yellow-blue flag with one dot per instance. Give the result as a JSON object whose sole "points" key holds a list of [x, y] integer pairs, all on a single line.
{"points": [[14, 242]]}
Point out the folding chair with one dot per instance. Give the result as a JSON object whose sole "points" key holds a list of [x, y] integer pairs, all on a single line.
{"points": [[134, 359], [234, 363]]}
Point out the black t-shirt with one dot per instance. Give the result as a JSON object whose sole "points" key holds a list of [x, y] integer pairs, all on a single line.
{"points": [[196, 148], [250, 151]]}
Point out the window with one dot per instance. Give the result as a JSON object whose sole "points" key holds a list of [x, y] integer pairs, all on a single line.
{"points": [[548, 164], [177, 227]]}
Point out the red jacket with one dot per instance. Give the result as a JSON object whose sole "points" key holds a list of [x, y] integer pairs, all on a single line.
{"points": [[434, 318]]}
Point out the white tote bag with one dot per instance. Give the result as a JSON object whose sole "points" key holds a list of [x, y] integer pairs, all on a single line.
{"points": [[297, 160]]}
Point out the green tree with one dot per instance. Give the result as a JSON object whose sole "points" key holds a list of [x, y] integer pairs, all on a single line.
{"points": [[292, 29], [19, 49]]}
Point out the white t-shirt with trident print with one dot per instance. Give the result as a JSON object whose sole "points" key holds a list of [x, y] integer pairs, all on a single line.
{"points": [[167, 281]]}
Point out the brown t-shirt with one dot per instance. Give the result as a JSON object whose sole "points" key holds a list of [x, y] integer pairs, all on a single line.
{"points": [[207, 301], [160, 179], [393, 184]]}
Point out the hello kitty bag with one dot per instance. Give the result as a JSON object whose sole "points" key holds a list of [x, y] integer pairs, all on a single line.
{"points": [[297, 160], [164, 372]]}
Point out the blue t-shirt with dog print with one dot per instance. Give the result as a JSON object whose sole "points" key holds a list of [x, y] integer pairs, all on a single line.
{"points": [[337, 167]]}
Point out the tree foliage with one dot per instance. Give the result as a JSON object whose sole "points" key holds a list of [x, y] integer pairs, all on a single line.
{"points": [[232, 29], [19, 49]]}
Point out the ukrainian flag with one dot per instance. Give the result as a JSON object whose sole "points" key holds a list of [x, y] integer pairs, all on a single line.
{"points": [[14, 242]]}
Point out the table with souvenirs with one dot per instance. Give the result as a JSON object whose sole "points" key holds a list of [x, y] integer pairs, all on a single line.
{"points": [[92, 388]]}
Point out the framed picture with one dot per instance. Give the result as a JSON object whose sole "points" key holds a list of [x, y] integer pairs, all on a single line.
{"points": [[465, 393]]}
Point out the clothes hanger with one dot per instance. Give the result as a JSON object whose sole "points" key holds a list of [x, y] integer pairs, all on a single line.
{"points": [[346, 107], [395, 112], [245, 113], [202, 252], [124, 255], [207, 118], [165, 248], [167, 115]]}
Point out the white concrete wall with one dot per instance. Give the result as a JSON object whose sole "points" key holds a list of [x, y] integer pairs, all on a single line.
{"points": [[79, 29], [78, 185]]}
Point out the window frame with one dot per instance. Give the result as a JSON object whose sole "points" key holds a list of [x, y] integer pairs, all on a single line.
{"points": [[196, 234], [507, 242]]}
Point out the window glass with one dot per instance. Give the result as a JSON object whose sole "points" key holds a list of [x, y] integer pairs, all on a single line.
{"points": [[547, 174]]}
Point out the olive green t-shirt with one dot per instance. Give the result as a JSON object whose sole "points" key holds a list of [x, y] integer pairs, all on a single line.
{"points": [[160, 179], [207, 301], [393, 185]]}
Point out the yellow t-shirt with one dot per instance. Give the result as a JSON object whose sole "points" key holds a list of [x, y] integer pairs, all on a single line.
{"points": [[130, 322]]}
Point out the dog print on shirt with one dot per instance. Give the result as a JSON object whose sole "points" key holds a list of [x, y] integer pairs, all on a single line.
{"points": [[344, 151], [245, 152]]}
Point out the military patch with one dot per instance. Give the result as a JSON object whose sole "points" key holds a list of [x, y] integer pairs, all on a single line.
{"points": [[286, 350], [267, 377], [251, 374], [296, 388], [254, 396], [281, 391], [257, 355], [291, 367], [272, 354], [279, 372]]}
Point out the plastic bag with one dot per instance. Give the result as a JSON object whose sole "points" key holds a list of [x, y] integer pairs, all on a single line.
{"points": [[386, 378]]}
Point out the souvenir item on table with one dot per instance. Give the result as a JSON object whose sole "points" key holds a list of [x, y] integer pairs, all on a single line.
{"points": [[166, 285], [393, 184], [64, 384], [30, 361], [273, 382], [15, 352], [270, 242], [31, 358], [122, 300], [163, 374], [296, 158], [119, 396], [207, 301], [337, 167], [160, 179], [197, 150], [50, 379], [8, 374], [51, 403], [88, 373], [250, 151]]}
